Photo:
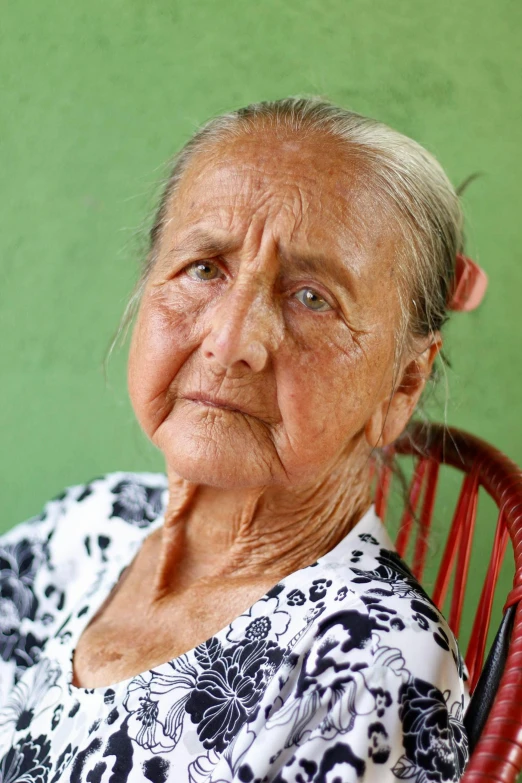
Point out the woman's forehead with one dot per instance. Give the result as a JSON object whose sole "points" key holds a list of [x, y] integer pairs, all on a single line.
{"points": [[306, 192]]}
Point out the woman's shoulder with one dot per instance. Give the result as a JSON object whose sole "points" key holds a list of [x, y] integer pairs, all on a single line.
{"points": [[88, 523], [373, 604], [47, 561], [136, 499], [378, 665]]}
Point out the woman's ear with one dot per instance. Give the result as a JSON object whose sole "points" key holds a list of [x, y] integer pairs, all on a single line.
{"points": [[393, 413]]}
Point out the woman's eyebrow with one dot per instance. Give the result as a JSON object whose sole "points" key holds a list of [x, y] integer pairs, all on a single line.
{"points": [[202, 241], [323, 266]]}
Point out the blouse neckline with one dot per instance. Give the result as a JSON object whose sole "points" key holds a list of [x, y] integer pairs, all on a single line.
{"points": [[105, 583]]}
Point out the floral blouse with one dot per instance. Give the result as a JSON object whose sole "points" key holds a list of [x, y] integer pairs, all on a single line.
{"points": [[344, 671]]}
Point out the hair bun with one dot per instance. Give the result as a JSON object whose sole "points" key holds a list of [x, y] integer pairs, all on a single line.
{"points": [[470, 285]]}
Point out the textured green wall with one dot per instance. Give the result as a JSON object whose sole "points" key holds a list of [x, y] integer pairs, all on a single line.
{"points": [[96, 96]]}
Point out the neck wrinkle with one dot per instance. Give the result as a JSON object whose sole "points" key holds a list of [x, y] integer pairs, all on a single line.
{"points": [[212, 535]]}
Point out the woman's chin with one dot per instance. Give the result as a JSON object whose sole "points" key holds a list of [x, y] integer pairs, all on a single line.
{"points": [[228, 459], [213, 471]]}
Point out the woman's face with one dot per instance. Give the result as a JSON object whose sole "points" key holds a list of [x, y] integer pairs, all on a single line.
{"points": [[263, 352]]}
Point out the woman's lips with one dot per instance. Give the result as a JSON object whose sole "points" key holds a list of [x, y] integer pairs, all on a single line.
{"points": [[231, 405], [217, 403]]}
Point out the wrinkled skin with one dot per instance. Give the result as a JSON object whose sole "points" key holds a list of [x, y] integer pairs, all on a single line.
{"points": [[275, 292]]}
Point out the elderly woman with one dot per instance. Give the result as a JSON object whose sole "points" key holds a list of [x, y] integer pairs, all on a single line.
{"points": [[245, 617]]}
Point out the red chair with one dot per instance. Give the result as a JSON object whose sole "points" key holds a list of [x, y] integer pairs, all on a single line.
{"points": [[494, 717]]}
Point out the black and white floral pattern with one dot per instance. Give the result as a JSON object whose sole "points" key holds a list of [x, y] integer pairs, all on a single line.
{"points": [[135, 502], [263, 618], [28, 760], [19, 563], [344, 671]]}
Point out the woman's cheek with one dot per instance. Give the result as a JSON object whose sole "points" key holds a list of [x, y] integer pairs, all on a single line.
{"points": [[326, 397], [162, 341], [309, 388]]}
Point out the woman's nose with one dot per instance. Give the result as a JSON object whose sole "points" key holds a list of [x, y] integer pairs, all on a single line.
{"points": [[240, 331]]}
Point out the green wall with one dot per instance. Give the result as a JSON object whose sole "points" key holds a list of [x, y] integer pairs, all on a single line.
{"points": [[96, 95]]}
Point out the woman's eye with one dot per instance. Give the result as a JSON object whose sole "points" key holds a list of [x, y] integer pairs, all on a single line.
{"points": [[203, 270], [312, 299], [206, 270]]}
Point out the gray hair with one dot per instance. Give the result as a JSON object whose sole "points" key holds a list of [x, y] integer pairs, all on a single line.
{"points": [[403, 174]]}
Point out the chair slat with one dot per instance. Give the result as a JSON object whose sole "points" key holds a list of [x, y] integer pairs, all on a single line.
{"points": [[414, 494], [421, 545], [466, 540], [479, 633], [450, 551], [382, 492]]}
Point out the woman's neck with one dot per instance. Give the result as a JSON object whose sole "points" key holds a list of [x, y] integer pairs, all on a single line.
{"points": [[260, 534]]}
